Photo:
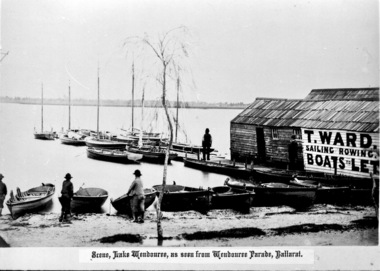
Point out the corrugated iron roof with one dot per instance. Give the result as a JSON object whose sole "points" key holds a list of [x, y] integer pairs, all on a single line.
{"points": [[344, 111]]}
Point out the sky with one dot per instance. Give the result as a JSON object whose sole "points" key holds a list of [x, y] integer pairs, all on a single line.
{"points": [[238, 49]]}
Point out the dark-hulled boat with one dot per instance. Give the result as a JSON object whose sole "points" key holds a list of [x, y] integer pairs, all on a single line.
{"points": [[184, 198], [116, 156], [276, 194], [285, 176], [90, 198], [30, 200], [43, 135], [225, 197], [219, 167], [326, 193], [152, 154], [123, 206]]}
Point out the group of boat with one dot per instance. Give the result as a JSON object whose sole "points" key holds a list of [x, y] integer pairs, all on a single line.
{"points": [[233, 194]]}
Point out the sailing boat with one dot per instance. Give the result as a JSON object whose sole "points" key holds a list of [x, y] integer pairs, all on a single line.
{"points": [[184, 147], [72, 137], [97, 141], [44, 135], [135, 134]]}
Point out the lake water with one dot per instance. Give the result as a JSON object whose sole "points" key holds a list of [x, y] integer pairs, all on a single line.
{"points": [[26, 162]]}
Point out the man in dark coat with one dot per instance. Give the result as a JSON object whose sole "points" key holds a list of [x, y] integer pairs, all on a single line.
{"points": [[206, 144], [67, 194], [293, 152], [136, 191], [3, 192]]}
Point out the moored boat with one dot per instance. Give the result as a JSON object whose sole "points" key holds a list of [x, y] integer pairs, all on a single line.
{"points": [[220, 167], [326, 193], [73, 138], [276, 194], [264, 174], [89, 198], [105, 143], [225, 197], [45, 135], [152, 154], [116, 156], [123, 206], [184, 198], [30, 200]]}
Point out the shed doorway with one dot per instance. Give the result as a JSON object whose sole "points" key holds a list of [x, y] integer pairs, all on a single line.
{"points": [[261, 155]]}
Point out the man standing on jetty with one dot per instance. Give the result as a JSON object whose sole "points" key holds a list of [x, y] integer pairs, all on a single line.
{"points": [[3, 192], [136, 191], [206, 144], [67, 194]]}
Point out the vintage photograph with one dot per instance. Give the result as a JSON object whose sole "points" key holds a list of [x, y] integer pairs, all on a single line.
{"points": [[239, 134]]}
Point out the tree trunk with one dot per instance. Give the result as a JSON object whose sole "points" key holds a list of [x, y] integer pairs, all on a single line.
{"points": [[160, 234]]}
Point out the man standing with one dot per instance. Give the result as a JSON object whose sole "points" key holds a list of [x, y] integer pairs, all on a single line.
{"points": [[293, 152], [3, 192], [136, 191], [67, 194], [206, 144]]}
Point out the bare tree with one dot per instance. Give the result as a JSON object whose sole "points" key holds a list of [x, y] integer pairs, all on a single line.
{"points": [[170, 50]]}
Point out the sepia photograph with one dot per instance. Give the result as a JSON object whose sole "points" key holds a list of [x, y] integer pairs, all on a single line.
{"points": [[189, 135]]}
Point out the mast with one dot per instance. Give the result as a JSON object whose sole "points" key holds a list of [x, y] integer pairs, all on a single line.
{"points": [[133, 92], [176, 120], [97, 127], [69, 107], [42, 107], [142, 118]]}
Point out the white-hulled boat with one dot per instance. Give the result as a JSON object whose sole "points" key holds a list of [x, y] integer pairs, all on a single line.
{"points": [[30, 200]]}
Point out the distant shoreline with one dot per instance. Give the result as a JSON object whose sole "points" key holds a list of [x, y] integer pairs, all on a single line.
{"points": [[118, 103]]}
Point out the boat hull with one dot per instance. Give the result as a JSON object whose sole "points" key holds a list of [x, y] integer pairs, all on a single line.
{"points": [[276, 194], [73, 142], [226, 169], [181, 198], [152, 156], [114, 156], [105, 144], [44, 136], [180, 147], [88, 199], [123, 206], [237, 199], [327, 194], [285, 176], [31, 204]]}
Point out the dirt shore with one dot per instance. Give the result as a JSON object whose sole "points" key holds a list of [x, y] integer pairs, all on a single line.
{"points": [[264, 226]]}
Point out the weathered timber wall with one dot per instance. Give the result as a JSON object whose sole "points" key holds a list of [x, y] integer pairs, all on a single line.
{"points": [[244, 143]]}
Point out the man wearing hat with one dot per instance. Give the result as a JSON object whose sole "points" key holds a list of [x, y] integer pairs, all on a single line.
{"points": [[3, 192], [136, 190], [67, 194]]}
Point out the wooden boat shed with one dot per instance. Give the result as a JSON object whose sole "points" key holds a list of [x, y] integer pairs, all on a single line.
{"points": [[337, 131]]}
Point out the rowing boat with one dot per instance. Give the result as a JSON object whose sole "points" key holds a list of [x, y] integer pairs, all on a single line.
{"points": [[276, 194], [184, 198], [30, 200], [225, 197], [152, 154], [123, 206], [89, 198], [116, 156], [326, 193]]}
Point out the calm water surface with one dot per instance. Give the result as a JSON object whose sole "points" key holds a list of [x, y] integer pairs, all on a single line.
{"points": [[26, 162]]}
